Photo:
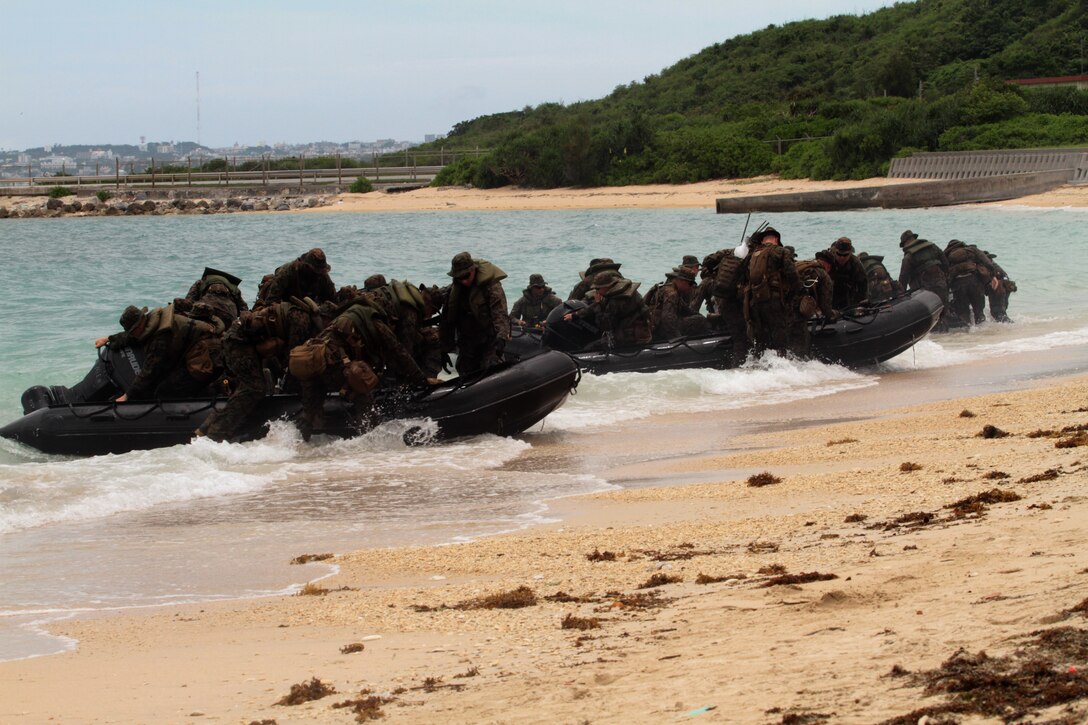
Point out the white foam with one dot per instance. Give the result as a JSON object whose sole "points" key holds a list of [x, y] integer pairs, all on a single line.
{"points": [[987, 341], [55, 490], [604, 400]]}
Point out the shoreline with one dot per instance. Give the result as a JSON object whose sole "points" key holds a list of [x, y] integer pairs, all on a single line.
{"points": [[431, 199], [232, 660]]}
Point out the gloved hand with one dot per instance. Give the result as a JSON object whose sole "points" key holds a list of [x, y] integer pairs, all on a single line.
{"points": [[447, 363]]}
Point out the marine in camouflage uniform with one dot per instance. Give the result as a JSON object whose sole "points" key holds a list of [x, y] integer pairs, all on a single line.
{"points": [[998, 295], [925, 267], [475, 321], [728, 299], [772, 293], [704, 293], [670, 307], [410, 309], [307, 276], [257, 341], [618, 311], [816, 279], [536, 301], [218, 291], [850, 283], [881, 285], [181, 355], [970, 273], [359, 333], [596, 266]]}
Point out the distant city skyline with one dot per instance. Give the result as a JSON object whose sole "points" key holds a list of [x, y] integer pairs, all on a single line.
{"points": [[340, 71]]}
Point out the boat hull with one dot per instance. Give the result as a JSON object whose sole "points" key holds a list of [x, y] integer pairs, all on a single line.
{"points": [[507, 400], [879, 334]]}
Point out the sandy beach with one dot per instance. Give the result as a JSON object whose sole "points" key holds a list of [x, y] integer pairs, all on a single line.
{"points": [[654, 196], [658, 604], [907, 533]]}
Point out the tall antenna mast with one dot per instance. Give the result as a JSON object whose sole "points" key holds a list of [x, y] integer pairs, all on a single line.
{"points": [[198, 108]]}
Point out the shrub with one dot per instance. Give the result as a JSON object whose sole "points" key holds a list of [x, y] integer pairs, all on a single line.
{"points": [[361, 185], [58, 191], [103, 195], [459, 173]]}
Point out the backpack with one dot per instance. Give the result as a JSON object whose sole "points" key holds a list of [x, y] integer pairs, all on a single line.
{"points": [[764, 275], [725, 278]]}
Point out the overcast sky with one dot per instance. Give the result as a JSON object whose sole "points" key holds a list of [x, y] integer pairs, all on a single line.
{"points": [[336, 70]]}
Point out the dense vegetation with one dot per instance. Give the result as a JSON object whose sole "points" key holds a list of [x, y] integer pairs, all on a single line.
{"points": [[834, 98]]}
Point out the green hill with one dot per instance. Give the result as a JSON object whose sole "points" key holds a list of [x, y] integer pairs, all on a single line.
{"points": [[835, 98]]}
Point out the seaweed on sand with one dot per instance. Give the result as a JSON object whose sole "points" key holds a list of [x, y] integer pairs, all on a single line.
{"points": [[523, 596], [315, 689], [1011, 688], [805, 578], [660, 579], [763, 479], [366, 707], [580, 623]]}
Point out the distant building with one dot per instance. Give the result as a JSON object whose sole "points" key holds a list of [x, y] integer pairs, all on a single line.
{"points": [[427, 138], [1080, 82]]}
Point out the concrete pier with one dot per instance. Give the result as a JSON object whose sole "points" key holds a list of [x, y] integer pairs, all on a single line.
{"points": [[949, 178]]}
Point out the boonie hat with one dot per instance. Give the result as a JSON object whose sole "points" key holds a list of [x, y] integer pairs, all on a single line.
{"points": [[537, 280], [461, 266], [315, 260], [843, 245], [374, 281], [681, 273], [690, 260], [907, 236], [606, 279], [131, 316]]}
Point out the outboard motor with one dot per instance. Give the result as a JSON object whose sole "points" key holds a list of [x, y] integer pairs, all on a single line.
{"points": [[569, 335], [36, 397]]}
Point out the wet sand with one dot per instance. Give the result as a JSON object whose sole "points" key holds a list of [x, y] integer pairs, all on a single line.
{"points": [[906, 594]]}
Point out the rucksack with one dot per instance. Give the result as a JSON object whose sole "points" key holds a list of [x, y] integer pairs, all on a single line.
{"points": [[725, 279]]}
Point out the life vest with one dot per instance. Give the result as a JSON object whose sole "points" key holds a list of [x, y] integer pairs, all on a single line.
{"points": [[475, 295]]}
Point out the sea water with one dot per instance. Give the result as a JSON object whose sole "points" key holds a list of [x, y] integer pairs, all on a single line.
{"points": [[207, 520]]}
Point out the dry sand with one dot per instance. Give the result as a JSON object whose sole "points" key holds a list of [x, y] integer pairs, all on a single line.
{"points": [[656, 196], [906, 595]]}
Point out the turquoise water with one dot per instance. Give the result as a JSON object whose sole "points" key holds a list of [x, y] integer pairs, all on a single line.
{"points": [[118, 531], [68, 279]]}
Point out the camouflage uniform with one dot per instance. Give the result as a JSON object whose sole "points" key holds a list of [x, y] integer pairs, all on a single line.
{"points": [[409, 309], [219, 291], [600, 264], [881, 285], [359, 333], [970, 272], [772, 291], [620, 314], [307, 276], [475, 322], [850, 284], [181, 355], [817, 285], [533, 310], [670, 308], [999, 296], [924, 267], [256, 341], [729, 302]]}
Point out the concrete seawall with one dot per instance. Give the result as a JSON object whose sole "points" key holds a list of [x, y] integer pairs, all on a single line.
{"points": [[942, 192]]}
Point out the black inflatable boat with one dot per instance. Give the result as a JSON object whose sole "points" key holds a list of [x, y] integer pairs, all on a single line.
{"points": [[874, 335], [81, 420]]}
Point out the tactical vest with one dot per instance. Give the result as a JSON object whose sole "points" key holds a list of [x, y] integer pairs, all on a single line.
{"points": [[362, 317], [475, 295], [923, 254]]}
